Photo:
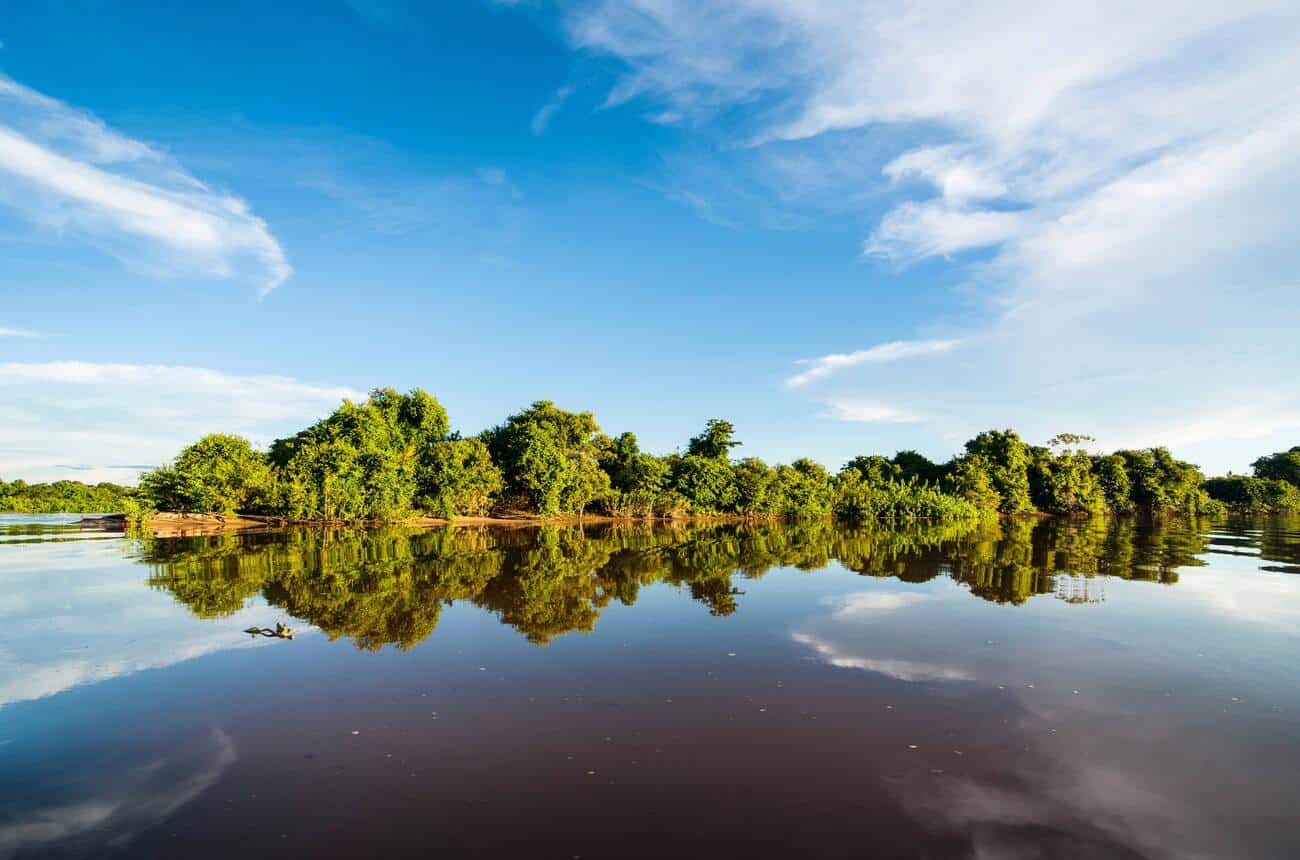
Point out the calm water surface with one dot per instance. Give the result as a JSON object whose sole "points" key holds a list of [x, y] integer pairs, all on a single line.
{"points": [[1027, 689]]}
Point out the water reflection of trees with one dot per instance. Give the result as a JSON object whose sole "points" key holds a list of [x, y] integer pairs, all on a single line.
{"points": [[388, 586], [1279, 541]]}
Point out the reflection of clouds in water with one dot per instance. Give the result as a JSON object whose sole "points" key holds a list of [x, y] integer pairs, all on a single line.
{"points": [[903, 670], [1040, 801], [132, 800], [1041, 804], [71, 617], [1047, 772], [22, 680], [848, 611], [867, 602], [1258, 597]]}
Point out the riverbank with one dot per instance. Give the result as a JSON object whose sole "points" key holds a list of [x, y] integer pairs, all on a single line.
{"points": [[175, 524]]}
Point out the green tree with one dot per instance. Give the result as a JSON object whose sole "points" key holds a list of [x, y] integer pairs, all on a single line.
{"points": [[707, 483], [1114, 483], [1163, 484], [715, 443], [1006, 458], [754, 485], [458, 478], [1061, 479], [629, 468], [1282, 466], [917, 467], [220, 473], [363, 461], [873, 469], [803, 490], [972, 479], [551, 457], [1254, 495]]}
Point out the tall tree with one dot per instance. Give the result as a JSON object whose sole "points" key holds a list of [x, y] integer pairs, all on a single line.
{"points": [[715, 442]]}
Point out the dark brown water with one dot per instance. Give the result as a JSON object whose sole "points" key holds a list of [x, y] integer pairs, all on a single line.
{"points": [[1104, 689]]}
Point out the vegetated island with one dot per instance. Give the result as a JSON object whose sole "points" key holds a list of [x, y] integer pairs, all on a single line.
{"points": [[393, 458]]}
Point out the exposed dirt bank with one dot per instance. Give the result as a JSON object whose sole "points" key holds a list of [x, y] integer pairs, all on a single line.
{"points": [[172, 524]]}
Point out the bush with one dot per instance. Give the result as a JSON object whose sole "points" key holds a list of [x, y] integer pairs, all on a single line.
{"points": [[858, 500], [458, 479], [1254, 495], [708, 484], [551, 457], [220, 473], [1282, 466]]}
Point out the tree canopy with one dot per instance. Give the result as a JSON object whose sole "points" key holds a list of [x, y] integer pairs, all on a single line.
{"points": [[551, 458]]}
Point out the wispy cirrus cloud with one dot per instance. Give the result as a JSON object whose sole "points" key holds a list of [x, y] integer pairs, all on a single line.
{"points": [[21, 332], [63, 169], [820, 368], [542, 119], [97, 415], [868, 412]]}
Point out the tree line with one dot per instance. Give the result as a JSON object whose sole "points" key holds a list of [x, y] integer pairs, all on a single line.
{"points": [[394, 456], [63, 496]]}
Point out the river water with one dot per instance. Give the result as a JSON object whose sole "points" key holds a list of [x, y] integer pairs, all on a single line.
{"points": [[1106, 688]]}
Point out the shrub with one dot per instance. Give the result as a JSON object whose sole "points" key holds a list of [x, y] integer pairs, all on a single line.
{"points": [[458, 478]]}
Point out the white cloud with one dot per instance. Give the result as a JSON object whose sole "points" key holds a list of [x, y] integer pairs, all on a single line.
{"points": [[1118, 180], [20, 332], [947, 168], [542, 119], [868, 412], [913, 231], [64, 169], [98, 422], [820, 368]]}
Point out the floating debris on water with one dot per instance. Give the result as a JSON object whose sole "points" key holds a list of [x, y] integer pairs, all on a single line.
{"points": [[281, 631]]}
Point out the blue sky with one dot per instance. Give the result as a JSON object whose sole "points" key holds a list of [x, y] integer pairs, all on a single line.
{"points": [[845, 227]]}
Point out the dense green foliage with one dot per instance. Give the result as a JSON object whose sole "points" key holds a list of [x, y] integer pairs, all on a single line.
{"points": [[219, 473], [1162, 484], [551, 458], [1282, 466], [896, 500], [393, 456], [1254, 495], [62, 497], [362, 462], [458, 477], [1274, 488]]}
